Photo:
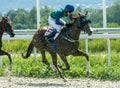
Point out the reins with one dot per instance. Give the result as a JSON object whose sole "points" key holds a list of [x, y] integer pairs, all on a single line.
{"points": [[69, 38]]}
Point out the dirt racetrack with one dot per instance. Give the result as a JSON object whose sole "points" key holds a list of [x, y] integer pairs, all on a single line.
{"points": [[15, 82]]}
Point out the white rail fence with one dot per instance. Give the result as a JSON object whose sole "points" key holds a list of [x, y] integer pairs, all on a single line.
{"points": [[98, 33]]}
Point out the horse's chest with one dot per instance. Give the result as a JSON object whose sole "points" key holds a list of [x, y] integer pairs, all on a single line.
{"points": [[68, 48]]}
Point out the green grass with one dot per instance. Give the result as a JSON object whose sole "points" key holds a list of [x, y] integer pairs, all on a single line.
{"points": [[99, 69], [98, 58], [94, 45]]}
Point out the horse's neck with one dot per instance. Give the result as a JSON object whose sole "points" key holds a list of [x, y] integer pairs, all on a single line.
{"points": [[74, 33], [0, 25], [71, 32]]}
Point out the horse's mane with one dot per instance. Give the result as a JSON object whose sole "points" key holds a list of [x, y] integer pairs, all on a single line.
{"points": [[6, 18], [64, 31]]}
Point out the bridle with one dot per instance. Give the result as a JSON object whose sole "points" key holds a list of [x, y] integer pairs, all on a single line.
{"points": [[68, 37], [3, 26], [82, 24]]}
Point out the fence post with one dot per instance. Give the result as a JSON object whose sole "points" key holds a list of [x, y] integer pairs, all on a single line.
{"points": [[109, 56], [0, 61], [86, 45], [35, 53]]}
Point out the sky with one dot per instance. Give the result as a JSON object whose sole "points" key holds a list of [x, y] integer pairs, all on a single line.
{"points": [[7, 5]]}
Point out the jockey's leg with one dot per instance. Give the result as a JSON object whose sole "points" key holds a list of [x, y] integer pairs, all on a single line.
{"points": [[53, 44], [56, 35], [50, 35]]}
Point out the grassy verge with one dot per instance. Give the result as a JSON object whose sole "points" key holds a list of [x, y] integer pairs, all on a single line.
{"points": [[99, 68]]}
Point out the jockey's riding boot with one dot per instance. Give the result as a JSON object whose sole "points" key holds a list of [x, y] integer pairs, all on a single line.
{"points": [[49, 36]]}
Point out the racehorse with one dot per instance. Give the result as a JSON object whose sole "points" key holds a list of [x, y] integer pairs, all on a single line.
{"points": [[67, 43], [5, 26]]}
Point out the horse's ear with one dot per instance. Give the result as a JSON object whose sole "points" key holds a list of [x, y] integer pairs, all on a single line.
{"points": [[8, 16], [3, 17], [74, 17], [86, 13], [79, 14]]}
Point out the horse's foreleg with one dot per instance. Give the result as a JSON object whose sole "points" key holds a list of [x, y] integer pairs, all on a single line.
{"points": [[9, 56], [80, 53], [44, 60], [55, 66], [64, 59]]}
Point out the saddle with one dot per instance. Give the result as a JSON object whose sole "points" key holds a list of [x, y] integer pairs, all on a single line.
{"points": [[50, 32]]}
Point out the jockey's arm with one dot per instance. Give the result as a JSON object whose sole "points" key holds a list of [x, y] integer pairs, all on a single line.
{"points": [[57, 19]]}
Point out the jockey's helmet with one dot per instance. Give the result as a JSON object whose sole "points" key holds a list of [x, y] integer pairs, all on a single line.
{"points": [[69, 8]]}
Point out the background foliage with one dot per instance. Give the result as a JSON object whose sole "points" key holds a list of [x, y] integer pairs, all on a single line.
{"points": [[23, 19]]}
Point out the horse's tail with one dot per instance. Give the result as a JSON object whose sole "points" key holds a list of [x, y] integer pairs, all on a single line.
{"points": [[29, 51]]}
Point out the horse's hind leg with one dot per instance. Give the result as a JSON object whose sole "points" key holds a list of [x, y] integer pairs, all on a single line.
{"points": [[64, 59], [9, 56], [80, 53]]}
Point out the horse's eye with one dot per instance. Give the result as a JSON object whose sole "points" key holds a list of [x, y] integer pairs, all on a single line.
{"points": [[89, 21]]}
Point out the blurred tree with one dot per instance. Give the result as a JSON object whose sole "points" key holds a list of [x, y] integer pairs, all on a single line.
{"points": [[19, 18], [23, 19], [32, 18], [114, 13], [45, 12], [78, 9], [113, 25], [12, 14], [96, 17]]}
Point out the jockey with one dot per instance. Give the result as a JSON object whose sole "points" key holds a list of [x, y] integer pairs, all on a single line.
{"points": [[56, 22]]}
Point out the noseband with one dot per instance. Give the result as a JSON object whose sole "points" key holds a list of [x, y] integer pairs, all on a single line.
{"points": [[83, 22]]}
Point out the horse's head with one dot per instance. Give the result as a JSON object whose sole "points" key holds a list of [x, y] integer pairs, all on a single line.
{"points": [[82, 23], [6, 26]]}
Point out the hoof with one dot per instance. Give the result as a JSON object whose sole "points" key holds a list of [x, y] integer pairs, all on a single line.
{"points": [[56, 72], [54, 68], [10, 68], [65, 80], [7, 72], [88, 73], [60, 66]]}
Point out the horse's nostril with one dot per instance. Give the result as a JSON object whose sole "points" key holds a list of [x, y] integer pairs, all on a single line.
{"points": [[90, 33], [12, 35]]}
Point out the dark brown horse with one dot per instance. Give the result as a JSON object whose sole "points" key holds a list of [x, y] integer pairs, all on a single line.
{"points": [[5, 26], [67, 43]]}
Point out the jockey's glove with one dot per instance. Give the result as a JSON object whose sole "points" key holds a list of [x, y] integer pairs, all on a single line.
{"points": [[68, 24]]}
